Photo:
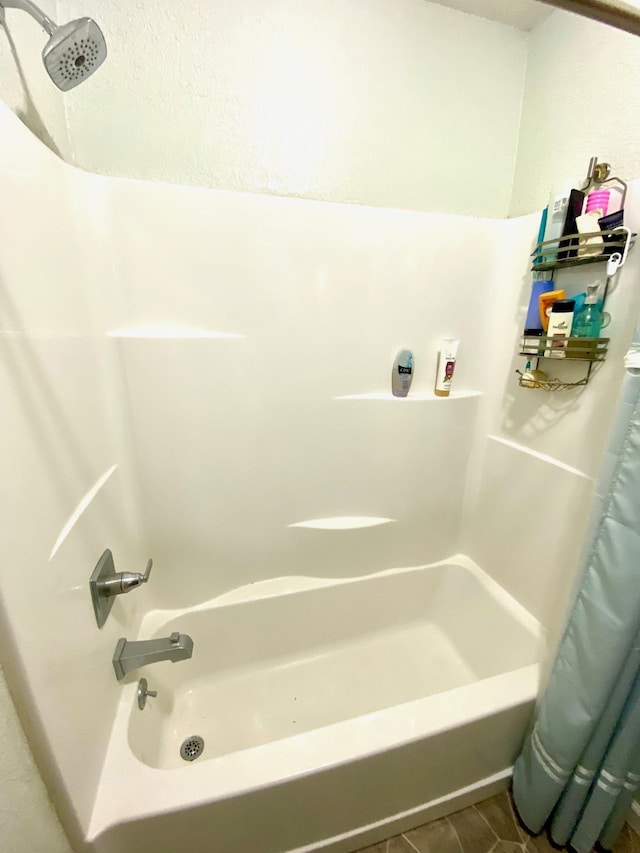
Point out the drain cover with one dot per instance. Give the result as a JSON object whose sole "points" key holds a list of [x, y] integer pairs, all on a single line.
{"points": [[192, 748]]}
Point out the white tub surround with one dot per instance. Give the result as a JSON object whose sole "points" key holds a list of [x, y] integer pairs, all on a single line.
{"points": [[418, 678], [188, 375]]}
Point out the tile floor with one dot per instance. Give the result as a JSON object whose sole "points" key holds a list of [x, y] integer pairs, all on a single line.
{"points": [[488, 827]]}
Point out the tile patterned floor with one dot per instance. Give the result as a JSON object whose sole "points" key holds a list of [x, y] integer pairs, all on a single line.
{"points": [[488, 827]]}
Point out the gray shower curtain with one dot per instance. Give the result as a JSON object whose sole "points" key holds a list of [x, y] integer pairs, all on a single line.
{"points": [[580, 766]]}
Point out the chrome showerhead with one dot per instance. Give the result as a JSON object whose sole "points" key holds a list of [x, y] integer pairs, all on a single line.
{"points": [[74, 50]]}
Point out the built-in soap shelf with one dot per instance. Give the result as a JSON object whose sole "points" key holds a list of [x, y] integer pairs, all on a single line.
{"points": [[171, 332], [414, 397], [343, 522]]}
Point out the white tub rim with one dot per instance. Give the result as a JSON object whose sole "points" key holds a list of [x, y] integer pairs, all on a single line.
{"points": [[130, 790]]}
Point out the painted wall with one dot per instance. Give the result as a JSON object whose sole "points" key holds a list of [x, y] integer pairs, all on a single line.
{"points": [[28, 822], [580, 100], [393, 103], [361, 120]]}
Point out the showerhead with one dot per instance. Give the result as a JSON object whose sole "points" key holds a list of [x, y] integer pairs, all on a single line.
{"points": [[74, 50]]}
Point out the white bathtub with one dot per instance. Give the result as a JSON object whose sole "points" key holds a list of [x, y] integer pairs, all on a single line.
{"points": [[333, 714]]}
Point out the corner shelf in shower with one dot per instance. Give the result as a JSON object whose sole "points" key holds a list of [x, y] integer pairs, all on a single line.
{"points": [[417, 397]]}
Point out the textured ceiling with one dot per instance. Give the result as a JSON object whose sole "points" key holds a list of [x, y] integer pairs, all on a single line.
{"points": [[523, 14]]}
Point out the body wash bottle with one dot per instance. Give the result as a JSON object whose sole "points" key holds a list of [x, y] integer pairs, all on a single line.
{"points": [[588, 321], [402, 373], [446, 366]]}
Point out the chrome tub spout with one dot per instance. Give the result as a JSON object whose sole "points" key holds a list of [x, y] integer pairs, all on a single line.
{"points": [[132, 655]]}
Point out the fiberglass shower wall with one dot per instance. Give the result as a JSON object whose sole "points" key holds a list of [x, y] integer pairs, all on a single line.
{"points": [[195, 424], [62, 466]]}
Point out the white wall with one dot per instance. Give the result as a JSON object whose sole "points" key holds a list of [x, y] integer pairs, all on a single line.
{"points": [[28, 822], [361, 120], [580, 100], [393, 103]]}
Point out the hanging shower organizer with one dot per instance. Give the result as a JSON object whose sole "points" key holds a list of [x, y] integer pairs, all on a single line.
{"points": [[617, 242]]}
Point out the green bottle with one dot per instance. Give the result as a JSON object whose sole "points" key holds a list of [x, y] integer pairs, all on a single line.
{"points": [[588, 322]]}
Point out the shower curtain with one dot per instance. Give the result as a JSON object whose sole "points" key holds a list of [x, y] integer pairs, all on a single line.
{"points": [[580, 766]]}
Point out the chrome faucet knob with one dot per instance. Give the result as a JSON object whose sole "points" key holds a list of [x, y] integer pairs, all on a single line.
{"points": [[142, 693], [174, 639]]}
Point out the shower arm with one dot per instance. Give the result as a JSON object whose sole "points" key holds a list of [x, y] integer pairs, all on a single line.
{"points": [[31, 8]]}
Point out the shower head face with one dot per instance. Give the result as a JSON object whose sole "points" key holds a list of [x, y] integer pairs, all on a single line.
{"points": [[74, 52]]}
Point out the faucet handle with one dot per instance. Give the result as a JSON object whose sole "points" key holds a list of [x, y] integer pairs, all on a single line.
{"points": [[174, 639], [147, 570], [105, 583]]}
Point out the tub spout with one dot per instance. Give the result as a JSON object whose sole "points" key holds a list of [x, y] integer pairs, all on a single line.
{"points": [[131, 655]]}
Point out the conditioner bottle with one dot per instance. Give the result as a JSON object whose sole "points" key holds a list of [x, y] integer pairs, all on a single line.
{"points": [[447, 355]]}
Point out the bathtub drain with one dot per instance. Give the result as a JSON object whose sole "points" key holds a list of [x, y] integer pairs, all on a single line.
{"points": [[192, 748]]}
